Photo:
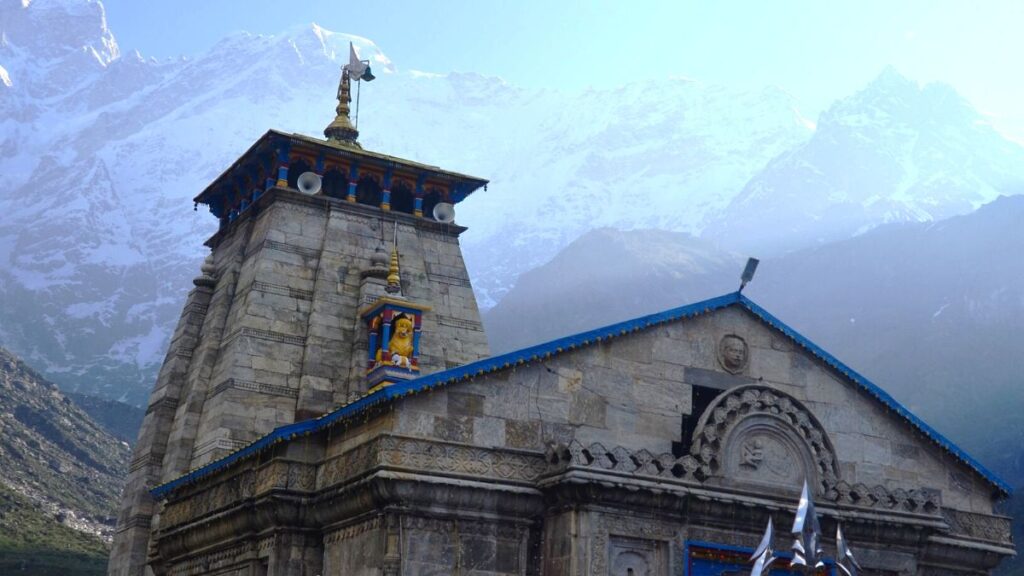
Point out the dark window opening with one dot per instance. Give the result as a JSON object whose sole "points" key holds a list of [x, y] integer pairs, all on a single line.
{"points": [[432, 198], [334, 184], [402, 199], [702, 398], [296, 169], [368, 191]]}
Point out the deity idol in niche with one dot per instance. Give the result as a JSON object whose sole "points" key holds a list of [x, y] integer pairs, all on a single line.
{"points": [[400, 345]]}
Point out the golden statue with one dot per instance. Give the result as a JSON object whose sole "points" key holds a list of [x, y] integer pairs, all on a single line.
{"points": [[400, 345]]}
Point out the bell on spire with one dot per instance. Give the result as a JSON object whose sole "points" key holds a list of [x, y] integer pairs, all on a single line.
{"points": [[341, 130]]}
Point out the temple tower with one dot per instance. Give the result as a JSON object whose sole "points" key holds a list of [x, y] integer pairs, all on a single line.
{"points": [[315, 292]]}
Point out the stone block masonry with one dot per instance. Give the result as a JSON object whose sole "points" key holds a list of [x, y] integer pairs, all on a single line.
{"points": [[272, 336]]}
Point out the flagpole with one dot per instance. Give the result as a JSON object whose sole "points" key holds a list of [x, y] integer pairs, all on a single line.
{"points": [[359, 90]]}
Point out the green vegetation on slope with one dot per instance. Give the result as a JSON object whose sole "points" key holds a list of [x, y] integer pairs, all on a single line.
{"points": [[61, 474], [32, 543]]}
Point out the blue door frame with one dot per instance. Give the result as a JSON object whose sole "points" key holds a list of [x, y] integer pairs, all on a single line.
{"points": [[709, 559]]}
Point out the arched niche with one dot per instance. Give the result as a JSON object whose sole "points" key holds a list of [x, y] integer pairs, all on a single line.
{"points": [[334, 184], [402, 198], [296, 169], [368, 191], [432, 197], [759, 437]]}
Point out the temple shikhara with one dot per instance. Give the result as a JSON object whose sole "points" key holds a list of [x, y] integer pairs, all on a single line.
{"points": [[329, 406]]}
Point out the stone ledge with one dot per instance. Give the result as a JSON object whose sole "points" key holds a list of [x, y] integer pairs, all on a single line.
{"points": [[136, 521], [195, 308], [265, 335], [283, 247], [260, 388], [983, 527], [218, 443], [688, 468], [280, 290], [453, 322], [163, 404], [143, 460], [422, 455]]}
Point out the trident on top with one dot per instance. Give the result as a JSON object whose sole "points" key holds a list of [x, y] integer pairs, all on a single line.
{"points": [[807, 553]]}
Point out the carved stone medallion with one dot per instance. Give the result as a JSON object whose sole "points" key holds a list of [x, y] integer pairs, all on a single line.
{"points": [[733, 353], [762, 450]]}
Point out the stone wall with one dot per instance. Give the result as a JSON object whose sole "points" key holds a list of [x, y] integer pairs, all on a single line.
{"points": [[601, 460], [635, 392], [415, 506], [275, 336]]}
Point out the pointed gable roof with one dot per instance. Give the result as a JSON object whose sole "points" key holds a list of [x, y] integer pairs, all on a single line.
{"points": [[558, 346]]}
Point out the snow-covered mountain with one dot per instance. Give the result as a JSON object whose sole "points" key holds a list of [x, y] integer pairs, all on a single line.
{"points": [[101, 153], [893, 152]]}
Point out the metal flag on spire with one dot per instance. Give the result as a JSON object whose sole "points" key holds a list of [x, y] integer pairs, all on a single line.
{"points": [[764, 555], [807, 546], [844, 557], [358, 69]]}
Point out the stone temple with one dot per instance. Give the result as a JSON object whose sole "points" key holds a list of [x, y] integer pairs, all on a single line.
{"points": [[329, 406]]}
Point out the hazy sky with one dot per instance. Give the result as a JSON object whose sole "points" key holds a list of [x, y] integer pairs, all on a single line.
{"points": [[818, 51]]}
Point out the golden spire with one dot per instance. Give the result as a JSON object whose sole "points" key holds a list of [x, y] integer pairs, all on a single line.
{"points": [[394, 279], [341, 129]]}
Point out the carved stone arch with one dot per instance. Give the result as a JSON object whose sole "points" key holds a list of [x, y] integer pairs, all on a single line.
{"points": [[746, 427]]}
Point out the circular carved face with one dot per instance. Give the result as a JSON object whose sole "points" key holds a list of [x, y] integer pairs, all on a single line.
{"points": [[732, 353]]}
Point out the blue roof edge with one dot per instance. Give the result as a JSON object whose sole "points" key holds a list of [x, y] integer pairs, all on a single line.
{"points": [[464, 372], [878, 393], [547, 349]]}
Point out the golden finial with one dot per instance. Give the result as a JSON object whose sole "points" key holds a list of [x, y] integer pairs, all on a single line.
{"points": [[394, 279], [341, 129]]}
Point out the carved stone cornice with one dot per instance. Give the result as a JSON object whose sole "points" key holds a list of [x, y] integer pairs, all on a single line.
{"points": [[983, 527], [207, 499], [216, 561], [917, 500], [684, 471], [392, 452]]}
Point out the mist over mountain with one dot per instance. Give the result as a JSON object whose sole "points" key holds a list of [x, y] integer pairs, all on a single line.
{"points": [[102, 151], [933, 312], [893, 152], [606, 276]]}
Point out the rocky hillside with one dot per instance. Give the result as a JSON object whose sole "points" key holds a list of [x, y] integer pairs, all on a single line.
{"points": [[119, 419], [62, 472]]}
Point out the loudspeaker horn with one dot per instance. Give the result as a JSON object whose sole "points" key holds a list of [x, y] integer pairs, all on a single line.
{"points": [[444, 212], [309, 183]]}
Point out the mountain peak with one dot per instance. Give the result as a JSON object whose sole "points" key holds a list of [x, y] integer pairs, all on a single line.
{"points": [[335, 45], [890, 77], [892, 100], [58, 28]]}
